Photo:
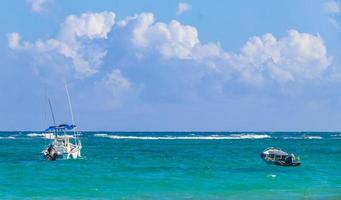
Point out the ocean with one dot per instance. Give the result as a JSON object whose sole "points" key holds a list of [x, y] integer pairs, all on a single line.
{"points": [[172, 165]]}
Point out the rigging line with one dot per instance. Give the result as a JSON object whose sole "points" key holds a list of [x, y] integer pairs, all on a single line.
{"points": [[45, 112], [72, 117], [54, 120], [70, 106]]}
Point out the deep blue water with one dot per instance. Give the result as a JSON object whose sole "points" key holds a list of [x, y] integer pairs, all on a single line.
{"points": [[166, 165]]}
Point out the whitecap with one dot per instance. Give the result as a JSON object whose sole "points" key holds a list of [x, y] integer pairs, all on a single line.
{"points": [[304, 137], [272, 175], [42, 135], [250, 136], [210, 137], [312, 137], [7, 138], [49, 136], [292, 138]]}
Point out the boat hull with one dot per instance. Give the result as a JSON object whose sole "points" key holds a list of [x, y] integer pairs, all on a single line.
{"points": [[54, 152], [279, 162]]}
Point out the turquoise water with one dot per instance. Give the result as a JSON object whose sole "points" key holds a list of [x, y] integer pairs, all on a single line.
{"points": [[172, 166]]}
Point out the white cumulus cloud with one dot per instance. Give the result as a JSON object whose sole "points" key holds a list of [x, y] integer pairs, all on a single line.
{"points": [[296, 56], [90, 25], [13, 40], [169, 41], [71, 43], [172, 40], [141, 44]]}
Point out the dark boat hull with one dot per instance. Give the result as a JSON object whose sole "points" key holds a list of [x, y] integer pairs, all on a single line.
{"points": [[294, 164], [51, 153]]}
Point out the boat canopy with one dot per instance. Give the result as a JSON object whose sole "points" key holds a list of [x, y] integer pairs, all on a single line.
{"points": [[277, 152], [61, 127]]}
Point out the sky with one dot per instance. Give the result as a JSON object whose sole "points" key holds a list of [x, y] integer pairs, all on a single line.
{"points": [[171, 65]]}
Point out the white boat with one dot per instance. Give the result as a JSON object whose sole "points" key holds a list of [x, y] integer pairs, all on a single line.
{"points": [[63, 145], [275, 156]]}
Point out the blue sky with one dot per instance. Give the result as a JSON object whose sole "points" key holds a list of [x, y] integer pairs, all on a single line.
{"points": [[171, 66]]}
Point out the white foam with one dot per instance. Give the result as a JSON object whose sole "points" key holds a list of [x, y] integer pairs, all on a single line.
{"points": [[49, 136], [293, 138], [210, 137], [42, 135], [305, 137], [272, 175], [250, 136], [7, 138], [313, 137]]}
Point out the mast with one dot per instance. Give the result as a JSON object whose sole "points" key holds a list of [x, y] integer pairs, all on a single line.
{"points": [[72, 116], [54, 120], [70, 106]]}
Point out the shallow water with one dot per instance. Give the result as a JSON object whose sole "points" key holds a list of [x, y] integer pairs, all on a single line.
{"points": [[172, 166]]}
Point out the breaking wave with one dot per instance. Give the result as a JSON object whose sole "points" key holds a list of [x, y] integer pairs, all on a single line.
{"points": [[7, 138], [313, 137], [310, 137], [49, 136], [41, 135], [191, 137], [336, 135]]}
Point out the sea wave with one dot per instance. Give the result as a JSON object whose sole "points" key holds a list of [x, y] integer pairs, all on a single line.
{"points": [[272, 175], [310, 137], [209, 137], [313, 137], [49, 136], [250, 136], [8, 138], [42, 135]]}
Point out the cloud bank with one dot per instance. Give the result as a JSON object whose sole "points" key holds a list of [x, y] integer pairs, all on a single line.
{"points": [[95, 44], [295, 56]]}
